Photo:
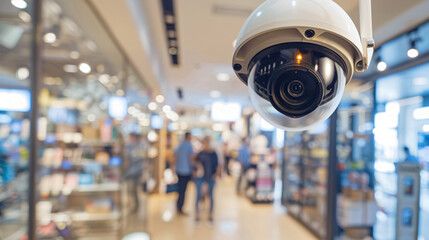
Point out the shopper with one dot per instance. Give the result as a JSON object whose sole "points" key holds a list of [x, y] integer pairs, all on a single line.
{"points": [[409, 157], [134, 170], [206, 170], [244, 160], [183, 155]]}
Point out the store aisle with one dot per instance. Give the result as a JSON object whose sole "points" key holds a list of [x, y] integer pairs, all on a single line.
{"points": [[235, 218]]}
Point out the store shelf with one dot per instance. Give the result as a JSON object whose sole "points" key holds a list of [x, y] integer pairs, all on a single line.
{"points": [[103, 187]]}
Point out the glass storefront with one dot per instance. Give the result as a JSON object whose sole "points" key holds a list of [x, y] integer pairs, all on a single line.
{"points": [[401, 121]]}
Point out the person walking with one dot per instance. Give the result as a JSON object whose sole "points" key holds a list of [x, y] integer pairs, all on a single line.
{"points": [[244, 160], [206, 170], [183, 166]]}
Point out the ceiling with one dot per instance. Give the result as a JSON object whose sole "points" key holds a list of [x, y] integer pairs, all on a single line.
{"points": [[206, 31]]}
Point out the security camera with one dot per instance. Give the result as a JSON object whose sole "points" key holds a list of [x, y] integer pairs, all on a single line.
{"points": [[296, 56]]}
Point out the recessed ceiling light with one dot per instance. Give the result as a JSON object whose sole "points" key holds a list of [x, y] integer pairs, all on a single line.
{"points": [[152, 106], [22, 73], [49, 37], [70, 68], [74, 54], [169, 19], [223, 77], [171, 34], [166, 108], [85, 68], [172, 51], [21, 4], [215, 94], [24, 16], [160, 98]]}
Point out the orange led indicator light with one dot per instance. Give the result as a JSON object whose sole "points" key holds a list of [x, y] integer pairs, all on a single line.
{"points": [[299, 57]]}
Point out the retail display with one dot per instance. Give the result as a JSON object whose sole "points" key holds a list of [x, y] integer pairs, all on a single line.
{"points": [[260, 178], [356, 206], [305, 170]]}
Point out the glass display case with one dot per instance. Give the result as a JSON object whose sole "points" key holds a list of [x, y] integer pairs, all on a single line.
{"points": [[15, 52]]}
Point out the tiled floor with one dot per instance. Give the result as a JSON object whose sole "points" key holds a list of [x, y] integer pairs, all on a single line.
{"points": [[235, 218]]}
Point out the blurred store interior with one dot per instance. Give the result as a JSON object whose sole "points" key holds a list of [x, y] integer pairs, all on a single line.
{"points": [[96, 97]]}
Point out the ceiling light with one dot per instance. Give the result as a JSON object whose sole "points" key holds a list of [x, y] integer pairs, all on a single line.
{"points": [[223, 77], [171, 34], [22, 73], [49, 37], [24, 16], [21, 4], [152, 136], [145, 122], [152, 106], [169, 19], [170, 115], [104, 78], [131, 109], [172, 51], [160, 99], [426, 128], [175, 117], [85, 68], [70, 68], [166, 108], [413, 38], [420, 81], [74, 54], [412, 52], [381, 66], [215, 94]]}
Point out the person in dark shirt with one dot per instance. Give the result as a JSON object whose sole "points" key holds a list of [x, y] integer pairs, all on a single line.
{"points": [[206, 171], [409, 157], [183, 155]]}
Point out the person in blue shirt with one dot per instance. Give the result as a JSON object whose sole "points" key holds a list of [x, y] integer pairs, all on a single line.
{"points": [[244, 159], [183, 156], [206, 171], [409, 157]]}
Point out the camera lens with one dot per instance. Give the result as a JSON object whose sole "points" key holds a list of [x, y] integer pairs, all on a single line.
{"points": [[295, 90]]}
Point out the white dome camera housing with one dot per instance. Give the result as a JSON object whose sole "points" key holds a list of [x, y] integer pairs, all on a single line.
{"points": [[296, 56]]}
